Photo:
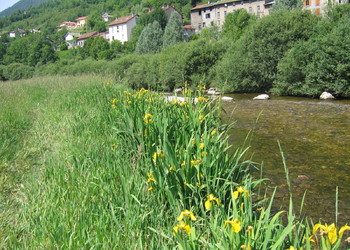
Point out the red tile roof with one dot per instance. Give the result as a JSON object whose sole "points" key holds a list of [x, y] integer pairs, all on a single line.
{"points": [[188, 27], [81, 18], [121, 20], [202, 6], [87, 35]]}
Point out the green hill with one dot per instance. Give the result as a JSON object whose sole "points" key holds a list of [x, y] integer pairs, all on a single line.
{"points": [[51, 12], [21, 5]]}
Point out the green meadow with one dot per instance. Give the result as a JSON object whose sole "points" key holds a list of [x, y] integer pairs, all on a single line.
{"points": [[89, 164]]}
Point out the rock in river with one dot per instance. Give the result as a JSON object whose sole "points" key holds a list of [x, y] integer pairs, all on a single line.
{"points": [[326, 96], [262, 97]]}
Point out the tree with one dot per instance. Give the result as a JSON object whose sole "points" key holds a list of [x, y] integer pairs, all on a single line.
{"points": [[156, 15], [96, 48], [151, 39], [95, 22], [287, 5], [236, 23], [174, 32]]}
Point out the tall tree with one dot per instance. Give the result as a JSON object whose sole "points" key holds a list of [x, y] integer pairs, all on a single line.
{"points": [[174, 32], [287, 5], [150, 40], [236, 23]]}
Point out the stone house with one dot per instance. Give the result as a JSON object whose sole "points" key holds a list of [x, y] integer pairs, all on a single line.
{"points": [[120, 29], [81, 21], [67, 25], [81, 39]]}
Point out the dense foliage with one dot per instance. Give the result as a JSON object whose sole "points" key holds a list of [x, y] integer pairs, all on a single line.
{"points": [[20, 6]]}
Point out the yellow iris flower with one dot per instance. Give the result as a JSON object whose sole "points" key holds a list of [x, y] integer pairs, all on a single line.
{"points": [[239, 191], [148, 118], [330, 230], [150, 178], [183, 226], [186, 213], [209, 202], [235, 225]]}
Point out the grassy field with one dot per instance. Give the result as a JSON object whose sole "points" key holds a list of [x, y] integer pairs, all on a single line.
{"points": [[85, 163]]}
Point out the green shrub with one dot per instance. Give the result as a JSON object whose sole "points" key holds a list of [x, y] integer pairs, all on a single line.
{"points": [[16, 71], [251, 64]]}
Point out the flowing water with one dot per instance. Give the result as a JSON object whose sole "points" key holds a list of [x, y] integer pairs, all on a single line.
{"points": [[315, 139]]}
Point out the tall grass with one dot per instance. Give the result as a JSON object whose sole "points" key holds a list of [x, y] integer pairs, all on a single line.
{"points": [[88, 164]]}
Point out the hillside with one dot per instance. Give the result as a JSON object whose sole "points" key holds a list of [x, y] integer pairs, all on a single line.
{"points": [[49, 14], [21, 5]]}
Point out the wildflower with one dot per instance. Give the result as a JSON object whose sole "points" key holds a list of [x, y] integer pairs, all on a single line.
{"points": [[183, 226], [240, 190], [183, 164], [208, 203], [183, 104], [342, 229], [291, 248], [201, 145], [148, 118], [249, 229], [196, 162], [202, 176], [204, 154], [193, 141], [213, 132], [200, 118], [171, 169], [150, 178], [198, 184], [246, 247], [235, 225], [186, 213], [202, 99], [330, 230], [157, 155], [150, 189]]}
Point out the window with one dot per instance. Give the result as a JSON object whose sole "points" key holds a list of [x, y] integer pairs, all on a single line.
{"points": [[203, 25], [218, 22], [225, 13], [199, 26], [118, 29], [258, 8], [250, 10], [307, 3], [207, 15], [218, 15], [242, 2], [199, 12], [318, 11], [318, 2]]}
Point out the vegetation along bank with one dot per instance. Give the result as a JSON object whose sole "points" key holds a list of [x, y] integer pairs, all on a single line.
{"points": [[290, 52]]}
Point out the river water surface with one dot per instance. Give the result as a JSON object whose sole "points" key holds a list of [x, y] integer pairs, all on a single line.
{"points": [[315, 138]]}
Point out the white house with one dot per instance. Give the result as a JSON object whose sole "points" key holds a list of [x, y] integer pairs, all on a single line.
{"points": [[71, 39], [106, 17], [120, 28]]}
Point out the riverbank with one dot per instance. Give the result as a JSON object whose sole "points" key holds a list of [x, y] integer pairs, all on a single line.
{"points": [[100, 166]]}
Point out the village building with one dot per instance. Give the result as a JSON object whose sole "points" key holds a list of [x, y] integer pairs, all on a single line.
{"points": [[210, 14], [81, 21], [71, 39], [82, 39], [189, 30], [67, 25], [106, 17], [120, 29], [16, 33]]}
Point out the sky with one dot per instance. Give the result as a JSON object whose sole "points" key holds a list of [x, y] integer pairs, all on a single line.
{"points": [[4, 4]]}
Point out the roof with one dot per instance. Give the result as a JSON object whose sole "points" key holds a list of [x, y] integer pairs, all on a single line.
{"points": [[87, 35], [68, 23], [81, 18], [188, 27], [121, 20], [202, 6]]}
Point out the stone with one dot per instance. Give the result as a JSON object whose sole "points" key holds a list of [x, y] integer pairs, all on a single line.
{"points": [[227, 99], [178, 90], [213, 91], [326, 96], [262, 97]]}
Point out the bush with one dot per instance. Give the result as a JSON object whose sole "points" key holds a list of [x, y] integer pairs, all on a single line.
{"points": [[251, 64], [320, 64], [16, 71]]}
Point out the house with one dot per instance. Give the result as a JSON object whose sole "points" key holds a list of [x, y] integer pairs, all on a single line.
{"points": [[71, 39], [317, 6], [81, 39], [105, 35], [120, 28], [18, 32], [189, 30], [67, 25], [106, 17], [210, 14], [81, 21]]}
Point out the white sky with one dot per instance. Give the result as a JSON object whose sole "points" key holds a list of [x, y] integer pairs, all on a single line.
{"points": [[4, 4]]}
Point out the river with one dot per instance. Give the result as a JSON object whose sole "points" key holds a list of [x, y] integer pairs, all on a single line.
{"points": [[315, 139]]}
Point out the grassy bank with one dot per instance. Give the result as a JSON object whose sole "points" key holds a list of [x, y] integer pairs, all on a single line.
{"points": [[88, 164]]}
